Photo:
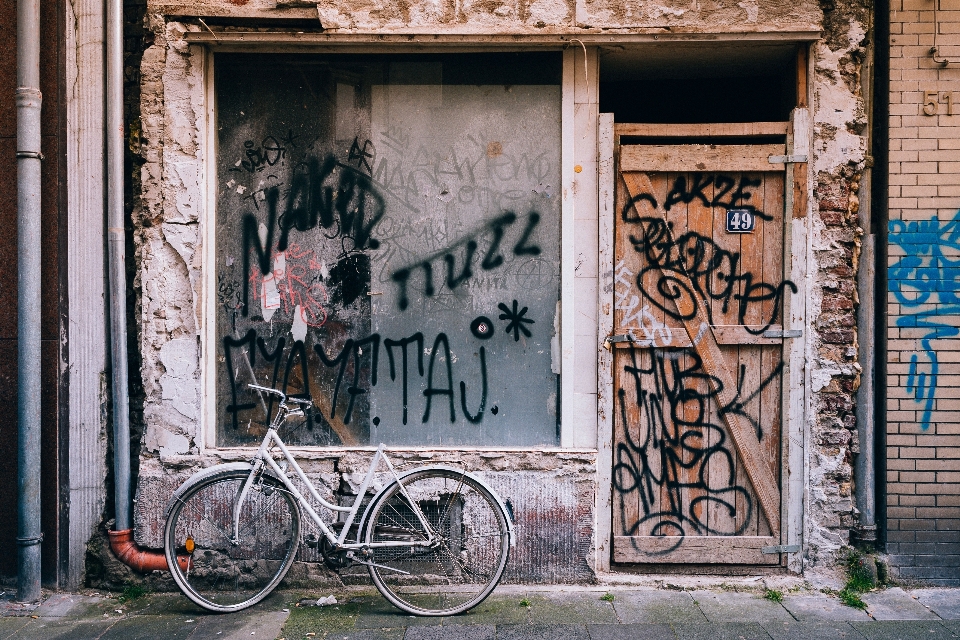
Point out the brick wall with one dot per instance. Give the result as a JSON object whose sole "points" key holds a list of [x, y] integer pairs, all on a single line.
{"points": [[923, 298]]}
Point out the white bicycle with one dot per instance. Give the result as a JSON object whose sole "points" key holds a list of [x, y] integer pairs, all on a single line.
{"points": [[435, 540]]}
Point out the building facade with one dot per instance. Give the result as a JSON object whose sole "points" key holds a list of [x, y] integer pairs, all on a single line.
{"points": [[622, 260]]}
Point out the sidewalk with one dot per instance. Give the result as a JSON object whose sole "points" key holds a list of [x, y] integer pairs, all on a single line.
{"points": [[511, 613]]}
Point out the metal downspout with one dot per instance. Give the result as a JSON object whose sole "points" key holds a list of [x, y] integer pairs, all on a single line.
{"points": [[865, 468], [121, 539], [117, 264], [28, 101]]}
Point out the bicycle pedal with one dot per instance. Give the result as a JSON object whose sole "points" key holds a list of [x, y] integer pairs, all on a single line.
{"points": [[311, 541]]}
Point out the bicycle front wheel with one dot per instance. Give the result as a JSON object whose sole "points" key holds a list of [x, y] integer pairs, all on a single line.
{"points": [[224, 574], [464, 563]]}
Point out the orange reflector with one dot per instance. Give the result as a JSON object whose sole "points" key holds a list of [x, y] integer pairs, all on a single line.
{"points": [[189, 545]]}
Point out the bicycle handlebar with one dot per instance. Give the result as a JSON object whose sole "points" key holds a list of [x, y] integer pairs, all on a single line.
{"points": [[303, 402]]}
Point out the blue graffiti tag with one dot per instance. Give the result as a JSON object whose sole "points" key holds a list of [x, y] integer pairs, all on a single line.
{"points": [[926, 280]]}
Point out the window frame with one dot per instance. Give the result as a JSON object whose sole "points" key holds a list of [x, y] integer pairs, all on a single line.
{"points": [[579, 212]]}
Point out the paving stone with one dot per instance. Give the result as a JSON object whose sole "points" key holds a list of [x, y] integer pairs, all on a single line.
{"points": [[542, 632], [815, 608], [249, 623], [60, 629], [9, 626], [656, 607], [904, 630], [896, 604], [721, 631], [377, 613], [811, 631], [494, 610], [943, 602], [367, 634], [631, 632], [570, 607], [167, 626], [730, 606], [61, 604], [452, 632]]}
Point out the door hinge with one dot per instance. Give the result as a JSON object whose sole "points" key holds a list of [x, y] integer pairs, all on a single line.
{"points": [[787, 159], [781, 548], [780, 333]]}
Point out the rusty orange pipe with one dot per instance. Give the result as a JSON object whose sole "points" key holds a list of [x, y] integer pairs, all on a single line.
{"points": [[142, 560]]}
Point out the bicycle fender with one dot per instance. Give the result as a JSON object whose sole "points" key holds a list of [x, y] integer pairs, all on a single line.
{"points": [[202, 475], [376, 498]]}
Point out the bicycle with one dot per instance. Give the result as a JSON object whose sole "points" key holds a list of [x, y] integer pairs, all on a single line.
{"points": [[435, 540]]}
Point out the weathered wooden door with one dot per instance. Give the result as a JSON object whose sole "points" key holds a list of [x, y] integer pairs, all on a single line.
{"points": [[698, 353]]}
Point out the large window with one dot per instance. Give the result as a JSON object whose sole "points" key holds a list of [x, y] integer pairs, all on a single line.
{"points": [[387, 242]]}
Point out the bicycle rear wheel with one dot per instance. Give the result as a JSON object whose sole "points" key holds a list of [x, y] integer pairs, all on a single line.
{"points": [[223, 574], [462, 567]]}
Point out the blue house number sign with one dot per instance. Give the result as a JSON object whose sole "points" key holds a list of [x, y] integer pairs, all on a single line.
{"points": [[741, 220]]}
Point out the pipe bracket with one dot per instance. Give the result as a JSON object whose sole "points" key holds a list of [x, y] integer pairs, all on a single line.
{"points": [[29, 541], [30, 154]]}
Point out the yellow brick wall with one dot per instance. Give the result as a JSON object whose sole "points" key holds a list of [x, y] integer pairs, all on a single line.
{"points": [[923, 298]]}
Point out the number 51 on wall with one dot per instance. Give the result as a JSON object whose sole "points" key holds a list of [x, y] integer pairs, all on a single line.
{"points": [[932, 100]]}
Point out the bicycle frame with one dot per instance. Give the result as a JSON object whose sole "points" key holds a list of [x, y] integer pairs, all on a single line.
{"points": [[263, 458]]}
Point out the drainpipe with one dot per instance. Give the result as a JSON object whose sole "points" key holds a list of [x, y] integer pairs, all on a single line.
{"points": [[864, 468], [121, 539], [28, 101], [117, 264]]}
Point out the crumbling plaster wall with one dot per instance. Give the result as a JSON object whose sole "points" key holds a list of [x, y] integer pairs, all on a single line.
{"points": [[839, 155], [555, 489]]}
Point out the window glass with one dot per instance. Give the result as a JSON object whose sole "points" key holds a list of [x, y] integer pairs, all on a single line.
{"points": [[387, 243]]}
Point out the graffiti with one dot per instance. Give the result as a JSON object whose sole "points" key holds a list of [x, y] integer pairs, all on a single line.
{"points": [[926, 283], [332, 216], [673, 266], [736, 187], [680, 446], [325, 195], [356, 364], [294, 285], [493, 232], [655, 333], [515, 320], [258, 157], [675, 459]]}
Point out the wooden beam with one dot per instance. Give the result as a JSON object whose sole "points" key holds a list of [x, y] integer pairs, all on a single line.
{"points": [[701, 157], [722, 129], [696, 549], [677, 338]]}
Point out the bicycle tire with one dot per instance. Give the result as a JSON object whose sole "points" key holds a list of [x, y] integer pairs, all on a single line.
{"points": [[223, 576], [466, 563]]}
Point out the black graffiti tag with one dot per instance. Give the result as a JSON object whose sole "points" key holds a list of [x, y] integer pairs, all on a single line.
{"points": [[673, 266], [680, 446], [467, 245]]}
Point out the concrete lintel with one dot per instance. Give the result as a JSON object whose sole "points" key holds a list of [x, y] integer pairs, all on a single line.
{"points": [[406, 41]]}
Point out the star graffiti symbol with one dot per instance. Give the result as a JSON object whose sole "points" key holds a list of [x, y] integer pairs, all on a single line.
{"points": [[515, 320]]}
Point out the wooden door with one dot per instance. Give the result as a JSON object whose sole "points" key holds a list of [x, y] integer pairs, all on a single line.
{"points": [[698, 356]]}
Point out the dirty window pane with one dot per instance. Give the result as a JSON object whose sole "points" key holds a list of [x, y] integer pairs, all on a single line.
{"points": [[387, 242]]}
